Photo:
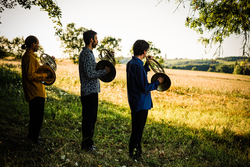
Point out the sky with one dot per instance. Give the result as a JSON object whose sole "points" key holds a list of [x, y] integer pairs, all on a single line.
{"points": [[128, 20]]}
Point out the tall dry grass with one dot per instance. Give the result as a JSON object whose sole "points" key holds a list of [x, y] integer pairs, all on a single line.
{"points": [[213, 101]]}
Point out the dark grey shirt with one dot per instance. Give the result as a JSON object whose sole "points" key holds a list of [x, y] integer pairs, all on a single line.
{"points": [[89, 77]]}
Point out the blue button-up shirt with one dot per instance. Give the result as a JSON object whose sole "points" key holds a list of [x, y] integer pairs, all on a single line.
{"points": [[138, 88]]}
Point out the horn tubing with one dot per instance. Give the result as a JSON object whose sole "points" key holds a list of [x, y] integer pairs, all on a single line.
{"points": [[159, 72], [48, 60], [48, 64], [106, 54], [107, 59]]}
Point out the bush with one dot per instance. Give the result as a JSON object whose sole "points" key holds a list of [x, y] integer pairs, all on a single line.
{"points": [[238, 70], [194, 69], [174, 67], [210, 69], [224, 68], [75, 58], [3, 54]]}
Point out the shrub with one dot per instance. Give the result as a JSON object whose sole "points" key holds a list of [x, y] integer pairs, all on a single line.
{"points": [[194, 69], [238, 70]]}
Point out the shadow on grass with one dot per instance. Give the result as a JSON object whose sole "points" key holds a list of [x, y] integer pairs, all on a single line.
{"points": [[163, 143]]}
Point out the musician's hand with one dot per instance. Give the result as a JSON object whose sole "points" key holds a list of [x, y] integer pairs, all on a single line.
{"points": [[113, 53], [107, 69], [150, 57], [49, 74], [161, 79]]}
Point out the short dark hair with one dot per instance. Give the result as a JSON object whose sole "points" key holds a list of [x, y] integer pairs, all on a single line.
{"points": [[140, 46], [87, 35], [29, 41]]}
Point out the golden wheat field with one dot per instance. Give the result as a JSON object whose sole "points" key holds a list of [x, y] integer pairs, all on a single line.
{"points": [[213, 101]]}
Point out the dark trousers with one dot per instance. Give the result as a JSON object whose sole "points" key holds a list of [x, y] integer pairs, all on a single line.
{"points": [[89, 116], [138, 123], [36, 111]]}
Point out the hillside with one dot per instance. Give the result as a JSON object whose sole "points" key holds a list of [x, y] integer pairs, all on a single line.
{"points": [[221, 65]]}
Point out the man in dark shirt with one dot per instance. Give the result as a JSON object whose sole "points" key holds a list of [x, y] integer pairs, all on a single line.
{"points": [[139, 96], [90, 87]]}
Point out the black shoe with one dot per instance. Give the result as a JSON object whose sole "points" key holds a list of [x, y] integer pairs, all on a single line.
{"points": [[135, 154], [92, 150], [84, 146], [35, 141]]}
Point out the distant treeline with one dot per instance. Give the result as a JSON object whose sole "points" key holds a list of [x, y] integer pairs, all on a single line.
{"points": [[188, 62], [207, 67], [238, 65], [231, 58]]}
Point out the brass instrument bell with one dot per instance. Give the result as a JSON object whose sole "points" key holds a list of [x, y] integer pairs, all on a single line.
{"points": [[158, 69], [48, 64], [107, 59]]}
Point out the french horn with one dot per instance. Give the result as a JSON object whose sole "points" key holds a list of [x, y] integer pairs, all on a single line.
{"points": [[107, 59], [159, 72], [48, 64]]}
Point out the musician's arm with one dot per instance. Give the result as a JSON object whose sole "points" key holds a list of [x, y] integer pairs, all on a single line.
{"points": [[89, 65], [142, 81], [31, 68], [146, 67]]}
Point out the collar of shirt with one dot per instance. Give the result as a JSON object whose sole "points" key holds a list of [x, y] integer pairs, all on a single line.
{"points": [[87, 49], [138, 60], [31, 53]]}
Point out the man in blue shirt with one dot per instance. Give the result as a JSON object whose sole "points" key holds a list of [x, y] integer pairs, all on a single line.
{"points": [[139, 96]]}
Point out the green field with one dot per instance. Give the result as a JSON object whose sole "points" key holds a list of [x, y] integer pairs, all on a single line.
{"points": [[202, 120]]}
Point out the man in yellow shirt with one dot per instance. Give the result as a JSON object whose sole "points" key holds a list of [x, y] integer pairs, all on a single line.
{"points": [[34, 90]]}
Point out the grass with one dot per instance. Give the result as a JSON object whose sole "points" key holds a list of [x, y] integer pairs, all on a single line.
{"points": [[202, 120]]}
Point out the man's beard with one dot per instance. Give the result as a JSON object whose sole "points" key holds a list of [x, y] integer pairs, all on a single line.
{"points": [[35, 50], [94, 45]]}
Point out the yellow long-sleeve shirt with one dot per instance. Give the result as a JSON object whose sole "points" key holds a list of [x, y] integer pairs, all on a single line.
{"points": [[31, 79]]}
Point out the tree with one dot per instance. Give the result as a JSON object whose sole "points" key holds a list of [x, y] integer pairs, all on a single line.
{"points": [[16, 49], [4, 47], [110, 43], [72, 40], [153, 51], [238, 70], [161, 60], [220, 17], [235, 64], [49, 6], [13, 48]]}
